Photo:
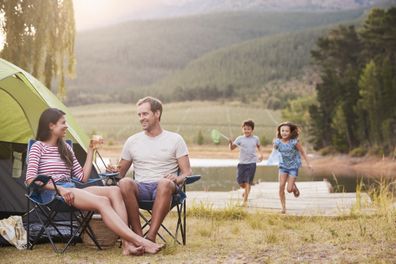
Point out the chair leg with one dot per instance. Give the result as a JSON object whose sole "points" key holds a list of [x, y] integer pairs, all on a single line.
{"points": [[28, 225], [85, 227], [184, 232]]}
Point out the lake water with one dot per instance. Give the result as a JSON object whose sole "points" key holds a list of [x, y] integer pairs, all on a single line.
{"points": [[220, 175]]}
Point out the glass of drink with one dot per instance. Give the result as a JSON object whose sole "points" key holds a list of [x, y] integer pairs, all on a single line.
{"points": [[96, 141], [113, 166]]}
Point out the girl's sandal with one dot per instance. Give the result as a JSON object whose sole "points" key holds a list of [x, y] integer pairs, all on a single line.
{"points": [[296, 192]]}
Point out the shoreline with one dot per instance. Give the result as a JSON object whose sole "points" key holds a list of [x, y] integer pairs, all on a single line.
{"points": [[338, 164]]}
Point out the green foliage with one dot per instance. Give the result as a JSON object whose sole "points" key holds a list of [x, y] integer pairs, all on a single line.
{"points": [[297, 110], [358, 90], [358, 152], [264, 141], [200, 138], [329, 150], [39, 37]]}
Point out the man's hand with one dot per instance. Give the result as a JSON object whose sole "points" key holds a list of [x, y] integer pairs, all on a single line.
{"points": [[113, 168], [174, 178]]}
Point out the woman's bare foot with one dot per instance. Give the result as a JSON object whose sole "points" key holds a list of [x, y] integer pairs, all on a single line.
{"points": [[130, 249], [283, 211]]}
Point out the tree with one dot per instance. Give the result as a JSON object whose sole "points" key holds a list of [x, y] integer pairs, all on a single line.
{"points": [[338, 58], [39, 37]]}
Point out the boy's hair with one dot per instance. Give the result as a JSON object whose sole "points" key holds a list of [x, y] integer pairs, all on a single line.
{"points": [[155, 104], [294, 130], [248, 123]]}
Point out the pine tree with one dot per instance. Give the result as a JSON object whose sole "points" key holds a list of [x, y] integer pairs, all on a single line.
{"points": [[337, 56]]}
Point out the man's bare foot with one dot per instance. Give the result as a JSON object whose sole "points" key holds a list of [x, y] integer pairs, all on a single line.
{"points": [[150, 247]]}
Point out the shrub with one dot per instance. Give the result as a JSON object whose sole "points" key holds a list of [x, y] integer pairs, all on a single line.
{"points": [[358, 152], [376, 151], [327, 151], [200, 138]]}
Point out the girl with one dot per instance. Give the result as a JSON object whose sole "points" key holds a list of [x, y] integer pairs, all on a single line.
{"points": [[50, 155], [290, 149]]}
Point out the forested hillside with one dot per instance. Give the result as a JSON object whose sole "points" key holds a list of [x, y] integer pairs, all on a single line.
{"points": [[243, 70], [127, 58]]}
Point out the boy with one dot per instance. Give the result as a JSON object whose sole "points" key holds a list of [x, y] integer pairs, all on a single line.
{"points": [[247, 157]]}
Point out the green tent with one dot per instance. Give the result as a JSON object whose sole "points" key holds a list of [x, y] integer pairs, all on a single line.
{"points": [[22, 100]]}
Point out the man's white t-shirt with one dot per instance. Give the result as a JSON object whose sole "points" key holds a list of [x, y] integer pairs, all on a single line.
{"points": [[154, 157]]}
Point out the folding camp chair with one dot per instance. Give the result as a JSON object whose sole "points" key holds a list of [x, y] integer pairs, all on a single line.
{"points": [[178, 201], [48, 204]]}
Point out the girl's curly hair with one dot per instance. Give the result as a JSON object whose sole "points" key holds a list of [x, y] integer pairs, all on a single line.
{"points": [[294, 130]]}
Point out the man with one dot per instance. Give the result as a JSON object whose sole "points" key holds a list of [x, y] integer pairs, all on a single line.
{"points": [[157, 156]]}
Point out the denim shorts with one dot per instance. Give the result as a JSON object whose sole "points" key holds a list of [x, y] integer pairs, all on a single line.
{"points": [[290, 172], [148, 190], [246, 173], [66, 184]]}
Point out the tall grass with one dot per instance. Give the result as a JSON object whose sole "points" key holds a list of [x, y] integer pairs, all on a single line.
{"points": [[204, 210]]}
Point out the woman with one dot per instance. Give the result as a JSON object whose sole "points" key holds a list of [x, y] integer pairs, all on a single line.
{"points": [[51, 156]]}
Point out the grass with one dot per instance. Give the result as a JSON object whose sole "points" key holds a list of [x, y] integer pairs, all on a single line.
{"points": [[237, 235], [259, 237], [116, 122]]}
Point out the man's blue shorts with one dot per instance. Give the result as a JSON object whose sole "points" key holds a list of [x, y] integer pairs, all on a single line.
{"points": [[290, 172], [148, 190], [245, 173]]}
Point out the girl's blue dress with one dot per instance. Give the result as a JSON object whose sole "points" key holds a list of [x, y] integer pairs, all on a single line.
{"points": [[290, 155]]}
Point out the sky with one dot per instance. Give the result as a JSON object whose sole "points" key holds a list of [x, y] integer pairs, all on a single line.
{"points": [[96, 13]]}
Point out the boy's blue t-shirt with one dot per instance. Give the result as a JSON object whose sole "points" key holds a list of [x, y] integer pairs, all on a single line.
{"points": [[247, 148]]}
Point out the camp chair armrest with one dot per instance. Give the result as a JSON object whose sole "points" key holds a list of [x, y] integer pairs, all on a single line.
{"points": [[192, 179], [90, 182], [43, 179]]}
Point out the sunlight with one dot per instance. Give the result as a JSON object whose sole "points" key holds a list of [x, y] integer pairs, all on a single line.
{"points": [[94, 13]]}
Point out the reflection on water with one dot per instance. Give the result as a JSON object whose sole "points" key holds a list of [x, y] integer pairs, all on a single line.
{"points": [[224, 178]]}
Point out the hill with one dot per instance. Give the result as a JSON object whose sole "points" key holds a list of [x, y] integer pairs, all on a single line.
{"points": [[126, 57], [243, 69]]}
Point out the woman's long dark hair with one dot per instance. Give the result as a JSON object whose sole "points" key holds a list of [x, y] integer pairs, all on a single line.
{"points": [[52, 116]]}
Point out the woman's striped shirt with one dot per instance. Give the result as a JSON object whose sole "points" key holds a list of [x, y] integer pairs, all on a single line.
{"points": [[46, 160]]}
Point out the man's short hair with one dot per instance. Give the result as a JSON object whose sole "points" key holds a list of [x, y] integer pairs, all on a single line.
{"points": [[248, 123], [155, 104]]}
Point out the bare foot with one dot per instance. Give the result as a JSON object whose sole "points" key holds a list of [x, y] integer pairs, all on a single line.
{"points": [[283, 211], [296, 192], [130, 249], [151, 247]]}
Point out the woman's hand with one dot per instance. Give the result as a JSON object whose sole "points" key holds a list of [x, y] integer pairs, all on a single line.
{"points": [[67, 195]]}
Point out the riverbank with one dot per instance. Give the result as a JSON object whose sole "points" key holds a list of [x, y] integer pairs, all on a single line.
{"points": [[335, 164]]}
